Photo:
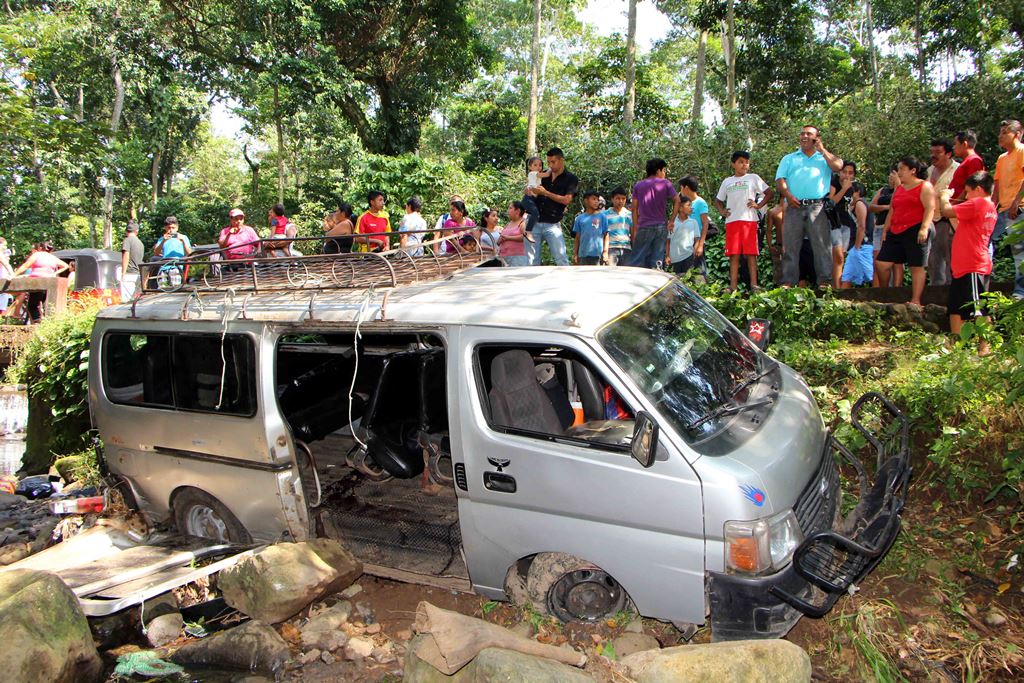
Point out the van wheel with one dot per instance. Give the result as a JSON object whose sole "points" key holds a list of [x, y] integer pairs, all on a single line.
{"points": [[197, 513], [570, 589], [515, 586]]}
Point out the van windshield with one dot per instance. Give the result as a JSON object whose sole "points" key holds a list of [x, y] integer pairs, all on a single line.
{"points": [[687, 358]]}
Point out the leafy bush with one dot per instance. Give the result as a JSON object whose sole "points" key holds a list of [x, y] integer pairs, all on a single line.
{"points": [[54, 364], [796, 313]]}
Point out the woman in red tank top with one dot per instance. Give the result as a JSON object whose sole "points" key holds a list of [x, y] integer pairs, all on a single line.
{"points": [[908, 228]]}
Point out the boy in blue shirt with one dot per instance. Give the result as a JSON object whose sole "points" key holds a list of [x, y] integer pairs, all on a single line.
{"points": [[591, 232], [681, 251], [688, 187], [620, 227]]}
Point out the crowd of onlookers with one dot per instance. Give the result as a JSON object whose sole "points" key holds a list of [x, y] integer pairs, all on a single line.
{"points": [[940, 221]]}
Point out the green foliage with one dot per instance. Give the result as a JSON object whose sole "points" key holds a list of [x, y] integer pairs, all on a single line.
{"points": [[797, 313], [55, 366]]}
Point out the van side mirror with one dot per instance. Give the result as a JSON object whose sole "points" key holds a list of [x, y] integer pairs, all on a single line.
{"points": [[759, 331], [645, 439]]}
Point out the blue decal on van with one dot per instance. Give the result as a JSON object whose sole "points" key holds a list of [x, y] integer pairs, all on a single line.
{"points": [[754, 495]]}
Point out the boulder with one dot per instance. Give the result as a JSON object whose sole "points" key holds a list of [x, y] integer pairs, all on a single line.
{"points": [[45, 636], [278, 581], [507, 666], [493, 664], [631, 642], [164, 629], [9, 554], [250, 647], [746, 661]]}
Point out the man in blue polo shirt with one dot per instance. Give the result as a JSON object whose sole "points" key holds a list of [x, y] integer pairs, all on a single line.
{"points": [[803, 181]]}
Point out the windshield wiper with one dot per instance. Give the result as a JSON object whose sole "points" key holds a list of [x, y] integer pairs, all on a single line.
{"points": [[728, 409], [750, 379]]}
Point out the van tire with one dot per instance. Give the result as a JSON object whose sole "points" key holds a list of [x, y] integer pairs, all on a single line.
{"points": [[197, 513], [515, 587], [571, 589]]}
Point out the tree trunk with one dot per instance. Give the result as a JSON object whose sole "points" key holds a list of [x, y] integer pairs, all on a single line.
{"points": [[115, 123], [531, 117], [254, 168], [280, 145], [874, 53], [630, 104], [154, 178], [919, 45], [544, 59], [696, 115], [729, 48]]}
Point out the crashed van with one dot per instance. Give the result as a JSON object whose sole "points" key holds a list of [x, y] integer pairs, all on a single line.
{"points": [[589, 440]]}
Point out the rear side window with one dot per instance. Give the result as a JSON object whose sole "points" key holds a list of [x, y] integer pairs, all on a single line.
{"points": [[181, 371]]}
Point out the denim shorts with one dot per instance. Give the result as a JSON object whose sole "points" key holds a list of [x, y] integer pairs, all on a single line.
{"points": [[841, 237]]}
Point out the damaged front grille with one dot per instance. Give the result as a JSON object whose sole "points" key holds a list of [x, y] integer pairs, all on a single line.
{"points": [[816, 508]]}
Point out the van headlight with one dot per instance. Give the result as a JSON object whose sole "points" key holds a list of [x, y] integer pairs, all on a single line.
{"points": [[761, 545]]}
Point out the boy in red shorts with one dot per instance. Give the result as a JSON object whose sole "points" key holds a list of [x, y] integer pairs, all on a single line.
{"points": [[737, 201], [970, 260]]}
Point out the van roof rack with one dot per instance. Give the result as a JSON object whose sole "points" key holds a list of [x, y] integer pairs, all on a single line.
{"points": [[210, 271]]}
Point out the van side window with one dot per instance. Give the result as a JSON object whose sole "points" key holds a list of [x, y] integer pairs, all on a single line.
{"points": [[551, 392], [197, 374], [137, 369], [181, 371]]}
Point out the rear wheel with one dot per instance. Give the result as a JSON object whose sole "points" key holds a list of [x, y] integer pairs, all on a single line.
{"points": [[571, 589], [197, 513]]}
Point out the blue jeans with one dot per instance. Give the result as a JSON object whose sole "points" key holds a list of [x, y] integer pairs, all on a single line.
{"points": [[552, 232], [516, 261], [649, 246], [1013, 229]]}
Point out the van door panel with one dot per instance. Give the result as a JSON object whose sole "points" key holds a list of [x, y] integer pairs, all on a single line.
{"points": [[644, 527], [236, 459]]}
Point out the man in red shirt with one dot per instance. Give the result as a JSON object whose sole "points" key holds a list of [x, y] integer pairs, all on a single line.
{"points": [[970, 162], [971, 262]]}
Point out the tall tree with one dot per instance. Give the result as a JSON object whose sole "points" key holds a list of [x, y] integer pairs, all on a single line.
{"points": [[385, 64], [531, 119], [630, 94]]}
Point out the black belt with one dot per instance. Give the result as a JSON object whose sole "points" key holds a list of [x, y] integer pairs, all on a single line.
{"points": [[811, 202]]}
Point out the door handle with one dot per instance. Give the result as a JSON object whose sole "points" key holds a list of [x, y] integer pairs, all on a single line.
{"points": [[497, 481]]}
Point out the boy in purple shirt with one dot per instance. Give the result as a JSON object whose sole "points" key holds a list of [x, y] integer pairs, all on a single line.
{"points": [[651, 197]]}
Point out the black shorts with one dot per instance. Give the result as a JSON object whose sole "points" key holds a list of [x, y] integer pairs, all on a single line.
{"points": [[337, 245], [903, 248], [965, 296]]}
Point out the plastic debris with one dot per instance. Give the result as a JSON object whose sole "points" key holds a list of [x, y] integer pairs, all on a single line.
{"points": [[77, 506], [35, 487], [145, 663]]}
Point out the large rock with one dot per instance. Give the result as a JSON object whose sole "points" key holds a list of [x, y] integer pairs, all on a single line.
{"points": [[493, 664], [278, 581], [250, 647], [742, 661], [45, 636]]}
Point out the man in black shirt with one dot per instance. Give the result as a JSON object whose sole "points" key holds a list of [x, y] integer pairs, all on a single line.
{"points": [[554, 194]]}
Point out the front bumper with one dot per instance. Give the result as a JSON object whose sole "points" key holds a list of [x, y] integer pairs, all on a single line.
{"points": [[830, 560]]}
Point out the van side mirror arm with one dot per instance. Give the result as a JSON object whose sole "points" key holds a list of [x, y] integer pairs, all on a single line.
{"points": [[644, 445]]}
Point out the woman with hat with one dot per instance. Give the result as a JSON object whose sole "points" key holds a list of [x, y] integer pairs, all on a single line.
{"points": [[238, 239]]}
